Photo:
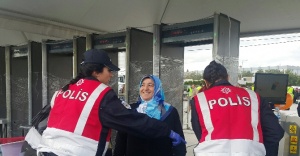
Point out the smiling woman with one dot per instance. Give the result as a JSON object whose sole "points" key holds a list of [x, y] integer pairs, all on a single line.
{"points": [[147, 89], [151, 102]]}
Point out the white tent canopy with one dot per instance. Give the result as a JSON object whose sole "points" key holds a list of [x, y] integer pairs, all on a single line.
{"points": [[35, 20]]}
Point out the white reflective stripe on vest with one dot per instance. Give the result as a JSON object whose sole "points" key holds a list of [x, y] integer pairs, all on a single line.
{"points": [[206, 115], [53, 99], [87, 109], [254, 114], [67, 143], [226, 147]]}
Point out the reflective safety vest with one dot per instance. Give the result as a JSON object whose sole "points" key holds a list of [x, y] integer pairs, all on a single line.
{"points": [[190, 91], [199, 87], [74, 127], [230, 122], [290, 90]]}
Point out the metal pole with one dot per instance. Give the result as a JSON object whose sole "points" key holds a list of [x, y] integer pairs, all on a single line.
{"points": [[44, 74], [29, 59], [8, 90], [156, 49], [127, 68], [216, 36], [75, 56], [88, 41]]}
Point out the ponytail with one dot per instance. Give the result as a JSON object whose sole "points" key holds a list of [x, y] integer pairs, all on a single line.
{"points": [[214, 72], [73, 81], [86, 70]]}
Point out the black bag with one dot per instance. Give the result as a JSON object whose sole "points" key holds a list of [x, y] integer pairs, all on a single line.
{"points": [[40, 123], [43, 114]]}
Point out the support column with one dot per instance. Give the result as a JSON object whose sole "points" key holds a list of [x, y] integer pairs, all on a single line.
{"points": [[156, 49], [2, 84], [8, 90], [44, 74], [139, 60], [29, 63], [75, 55], [226, 44], [171, 75], [88, 42]]}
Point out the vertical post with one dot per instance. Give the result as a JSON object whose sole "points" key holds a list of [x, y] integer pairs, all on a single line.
{"points": [[44, 74], [215, 36], [226, 44], [127, 68], [8, 89], [29, 59], [88, 41], [75, 55], [156, 49]]}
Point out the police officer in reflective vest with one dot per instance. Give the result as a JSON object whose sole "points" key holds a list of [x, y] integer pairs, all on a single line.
{"points": [[85, 109], [229, 120]]}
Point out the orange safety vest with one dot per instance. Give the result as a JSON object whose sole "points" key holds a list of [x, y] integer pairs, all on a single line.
{"points": [[230, 122]]}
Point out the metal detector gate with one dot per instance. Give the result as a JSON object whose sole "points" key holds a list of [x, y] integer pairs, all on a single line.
{"points": [[61, 61], [25, 86], [139, 55], [221, 30], [19, 85], [137, 45], [112, 44]]}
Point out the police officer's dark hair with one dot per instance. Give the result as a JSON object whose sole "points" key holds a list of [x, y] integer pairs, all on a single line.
{"points": [[214, 72], [86, 70]]}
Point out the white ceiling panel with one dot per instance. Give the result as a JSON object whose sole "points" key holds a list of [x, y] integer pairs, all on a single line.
{"points": [[78, 17]]}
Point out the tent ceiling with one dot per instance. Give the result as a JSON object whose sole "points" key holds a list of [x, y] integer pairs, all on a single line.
{"points": [[35, 20]]}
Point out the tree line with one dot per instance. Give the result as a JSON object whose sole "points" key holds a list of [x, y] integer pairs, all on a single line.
{"points": [[294, 79]]}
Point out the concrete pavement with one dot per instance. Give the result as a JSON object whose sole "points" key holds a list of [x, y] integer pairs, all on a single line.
{"points": [[191, 140]]}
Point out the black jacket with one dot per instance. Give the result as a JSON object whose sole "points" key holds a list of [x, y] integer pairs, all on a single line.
{"points": [[272, 131], [130, 145], [113, 114]]}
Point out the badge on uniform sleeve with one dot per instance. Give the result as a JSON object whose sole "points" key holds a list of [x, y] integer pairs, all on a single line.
{"points": [[126, 105]]}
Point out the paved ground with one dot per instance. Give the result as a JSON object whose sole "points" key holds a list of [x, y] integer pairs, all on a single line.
{"points": [[191, 140], [189, 135]]}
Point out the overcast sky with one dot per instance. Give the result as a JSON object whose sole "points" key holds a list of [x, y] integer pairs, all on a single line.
{"points": [[254, 52]]}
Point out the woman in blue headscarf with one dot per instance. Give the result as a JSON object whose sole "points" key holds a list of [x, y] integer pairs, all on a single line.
{"points": [[151, 102]]}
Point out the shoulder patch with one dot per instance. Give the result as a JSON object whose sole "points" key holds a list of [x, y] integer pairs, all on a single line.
{"points": [[126, 105]]}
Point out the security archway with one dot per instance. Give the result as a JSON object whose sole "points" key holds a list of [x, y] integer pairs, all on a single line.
{"points": [[137, 45], [220, 30], [60, 64], [23, 98]]}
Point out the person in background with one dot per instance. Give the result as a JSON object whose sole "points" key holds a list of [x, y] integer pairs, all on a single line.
{"points": [[203, 86], [84, 111], [290, 90], [199, 87], [151, 102], [296, 95], [192, 92], [297, 92], [229, 120]]}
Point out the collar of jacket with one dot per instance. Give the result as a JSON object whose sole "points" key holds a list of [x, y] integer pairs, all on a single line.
{"points": [[222, 83]]}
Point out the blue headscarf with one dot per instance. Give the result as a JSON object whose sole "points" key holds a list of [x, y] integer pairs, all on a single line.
{"points": [[156, 107]]}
